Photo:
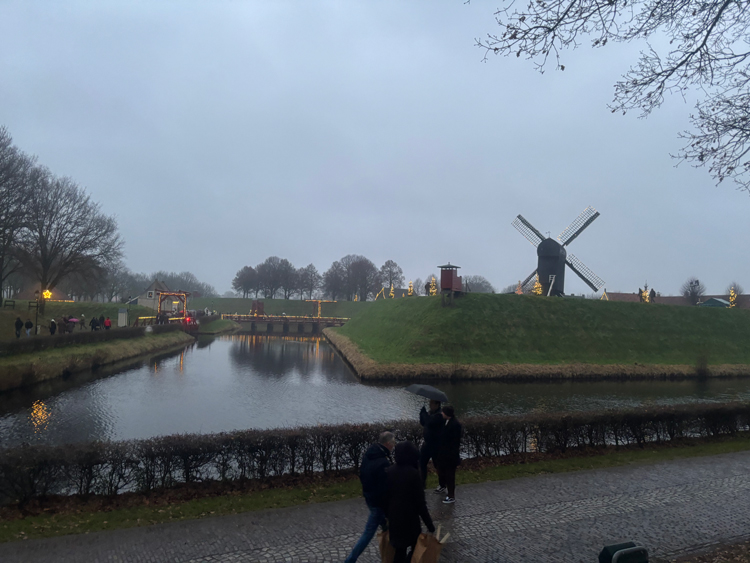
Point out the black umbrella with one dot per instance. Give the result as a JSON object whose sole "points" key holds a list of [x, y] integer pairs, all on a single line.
{"points": [[428, 391]]}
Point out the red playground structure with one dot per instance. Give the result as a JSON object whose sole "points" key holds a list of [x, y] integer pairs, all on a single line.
{"points": [[451, 284]]}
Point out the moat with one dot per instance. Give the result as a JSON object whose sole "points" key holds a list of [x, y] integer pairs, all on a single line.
{"points": [[240, 381]]}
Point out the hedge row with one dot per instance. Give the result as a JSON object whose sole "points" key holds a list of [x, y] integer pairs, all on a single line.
{"points": [[109, 468], [40, 343]]}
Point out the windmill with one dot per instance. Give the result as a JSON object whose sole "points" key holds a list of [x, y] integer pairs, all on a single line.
{"points": [[553, 256]]}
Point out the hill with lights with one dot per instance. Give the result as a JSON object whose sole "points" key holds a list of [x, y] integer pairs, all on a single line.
{"points": [[518, 331]]}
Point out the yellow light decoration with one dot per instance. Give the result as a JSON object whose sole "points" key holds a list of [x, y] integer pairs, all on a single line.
{"points": [[39, 416], [433, 286], [47, 294], [604, 296], [732, 297], [537, 289], [411, 289], [391, 294], [519, 289]]}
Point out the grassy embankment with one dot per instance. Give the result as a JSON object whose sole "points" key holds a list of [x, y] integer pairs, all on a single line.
{"points": [[129, 511], [510, 335], [57, 309], [26, 369], [291, 307]]}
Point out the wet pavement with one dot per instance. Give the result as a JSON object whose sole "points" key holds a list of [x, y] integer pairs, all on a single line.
{"points": [[671, 508]]}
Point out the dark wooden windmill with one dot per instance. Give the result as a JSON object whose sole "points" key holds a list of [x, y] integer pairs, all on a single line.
{"points": [[552, 255]]}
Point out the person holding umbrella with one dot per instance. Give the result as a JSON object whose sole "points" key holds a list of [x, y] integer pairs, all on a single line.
{"points": [[433, 424], [449, 452]]}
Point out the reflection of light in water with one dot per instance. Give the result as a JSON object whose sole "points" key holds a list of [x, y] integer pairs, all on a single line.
{"points": [[39, 416], [156, 367], [182, 361]]}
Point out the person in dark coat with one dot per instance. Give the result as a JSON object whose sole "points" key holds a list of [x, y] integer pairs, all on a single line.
{"points": [[433, 425], [52, 327], [19, 326], [93, 323], [29, 325], [405, 501], [100, 326], [449, 452], [374, 488]]}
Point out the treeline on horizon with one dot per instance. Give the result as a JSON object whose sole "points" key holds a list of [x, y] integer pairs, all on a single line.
{"points": [[351, 276]]}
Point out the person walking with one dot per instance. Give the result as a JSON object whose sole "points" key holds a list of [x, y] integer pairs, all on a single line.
{"points": [[82, 320], [376, 460], [19, 326], [107, 324], [29, 325], [449, 452], [93, 324], [52, 327], [405, 501], [433, 424], [100, 325]]}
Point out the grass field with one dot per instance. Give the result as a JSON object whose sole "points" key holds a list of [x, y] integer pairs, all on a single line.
{"points": [[498, 329], [57, 309], [292, 307]]}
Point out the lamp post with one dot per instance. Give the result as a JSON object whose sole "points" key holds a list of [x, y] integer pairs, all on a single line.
{"points": [[36, 322]]}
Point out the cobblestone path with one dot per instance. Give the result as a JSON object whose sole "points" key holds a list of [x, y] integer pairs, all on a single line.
{"points": [[671, 508]]}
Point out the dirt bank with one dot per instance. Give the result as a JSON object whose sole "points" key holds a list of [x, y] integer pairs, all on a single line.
{"points": [[28, 369], [366, 368]]}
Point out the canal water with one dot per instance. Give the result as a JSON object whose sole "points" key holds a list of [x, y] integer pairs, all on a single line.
{"points": [[242, 381]]}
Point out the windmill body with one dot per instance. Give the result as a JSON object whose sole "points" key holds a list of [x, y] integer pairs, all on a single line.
{"points": [[552, 256], [551, 266]]}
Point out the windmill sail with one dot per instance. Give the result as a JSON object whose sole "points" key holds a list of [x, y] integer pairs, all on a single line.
{"points": [[591, 279], [527, 283], [577, 226], [528, 230]]}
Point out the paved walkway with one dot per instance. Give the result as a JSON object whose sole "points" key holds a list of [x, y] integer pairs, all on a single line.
{"points": [[671, 508]]}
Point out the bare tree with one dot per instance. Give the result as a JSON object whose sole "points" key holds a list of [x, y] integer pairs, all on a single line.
{"points": [[65, 233], [707, 49], [737, 288], [16, 171], [334, 281], [245, 281], [418, 287], [477, 284], [693, 290], [509, 288], [289, 282], [309, 280], [391, 274], [269, 277]]}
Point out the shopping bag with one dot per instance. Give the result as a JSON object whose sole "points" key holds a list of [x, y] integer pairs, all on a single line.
{"points": [[387, 551], [428, 548]]}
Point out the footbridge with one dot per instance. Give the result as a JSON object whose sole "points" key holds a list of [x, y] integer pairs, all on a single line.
{"points": [[283, 324]]}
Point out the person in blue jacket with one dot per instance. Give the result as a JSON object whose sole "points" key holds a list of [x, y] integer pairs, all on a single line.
{"points": [[376, 460]]}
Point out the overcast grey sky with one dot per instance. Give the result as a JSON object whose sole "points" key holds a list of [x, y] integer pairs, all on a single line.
{"points": [[221, 133]]}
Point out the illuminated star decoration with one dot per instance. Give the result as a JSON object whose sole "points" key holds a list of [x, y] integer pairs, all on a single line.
{"points": [[47, 294]]}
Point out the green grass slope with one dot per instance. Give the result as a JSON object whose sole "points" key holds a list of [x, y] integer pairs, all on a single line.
{"points": [[292, 307], [496, 329]]}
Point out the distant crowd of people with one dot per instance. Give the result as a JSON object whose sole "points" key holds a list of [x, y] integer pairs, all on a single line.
{"points": [[66, 325], [395, 492]]}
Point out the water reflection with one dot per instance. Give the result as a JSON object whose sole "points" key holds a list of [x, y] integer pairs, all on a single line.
{"points": [[257, 381]]}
